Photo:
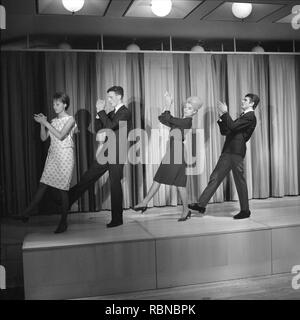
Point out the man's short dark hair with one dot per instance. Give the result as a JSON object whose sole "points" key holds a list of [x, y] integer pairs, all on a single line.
{"points": [[117, 90], [254, 98], [63, 97]]}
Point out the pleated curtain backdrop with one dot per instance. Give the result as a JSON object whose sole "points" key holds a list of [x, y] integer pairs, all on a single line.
{"points": [[29, 79], [21, 151], [249, 74], [206, 85], [283, 126]]}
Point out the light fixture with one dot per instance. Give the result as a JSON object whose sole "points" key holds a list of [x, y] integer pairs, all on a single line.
{"points": [[64, 46], [198, 47], [73, 5], [241, 10], [161, 8], [133, 47], [258, 48]]}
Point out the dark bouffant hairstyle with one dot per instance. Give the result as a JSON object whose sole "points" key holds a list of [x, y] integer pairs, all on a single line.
{"points": [[117, 90], [254, 98], [63, 97]]}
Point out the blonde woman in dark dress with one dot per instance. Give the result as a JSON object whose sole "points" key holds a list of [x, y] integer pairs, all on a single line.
{"points": [[172, 168]]}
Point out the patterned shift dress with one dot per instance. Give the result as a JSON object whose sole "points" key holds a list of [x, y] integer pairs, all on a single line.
{"points": [[61, 159]]}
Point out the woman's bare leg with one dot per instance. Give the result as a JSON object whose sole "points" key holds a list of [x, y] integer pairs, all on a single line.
{"points": [[153, 189], [183, 196]]}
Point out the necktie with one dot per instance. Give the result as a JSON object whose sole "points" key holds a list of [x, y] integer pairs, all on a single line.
{"points": [[242, 114]]}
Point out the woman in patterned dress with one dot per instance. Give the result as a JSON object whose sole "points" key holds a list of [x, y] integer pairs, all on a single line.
{"points": [[171, 171], [60, 160]]}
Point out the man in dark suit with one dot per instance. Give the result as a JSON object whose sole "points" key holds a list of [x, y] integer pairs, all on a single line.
{"points": [[237, 133], [114, 122]]}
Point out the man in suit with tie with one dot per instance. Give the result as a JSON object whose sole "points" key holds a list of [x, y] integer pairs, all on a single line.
{"points": [[113, 121], [237, 133]]}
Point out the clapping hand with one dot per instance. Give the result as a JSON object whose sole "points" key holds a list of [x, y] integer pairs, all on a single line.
{"points": [[168, 101], [222, 107], [108, 108], [40, 118], [100, 105]]}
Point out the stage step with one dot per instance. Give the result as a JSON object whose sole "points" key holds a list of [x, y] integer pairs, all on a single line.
{"points": [[155, 251]]}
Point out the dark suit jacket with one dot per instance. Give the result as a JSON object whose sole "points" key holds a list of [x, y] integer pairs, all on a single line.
{"points": [[237, 132], [113, 121]]}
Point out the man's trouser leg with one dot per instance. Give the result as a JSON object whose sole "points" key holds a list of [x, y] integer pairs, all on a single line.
{"points": [[116, 193], [94, 172], [240, 181], [221, 170]]}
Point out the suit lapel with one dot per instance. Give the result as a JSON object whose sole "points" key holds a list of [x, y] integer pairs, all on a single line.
{"points": [[115, 113]]}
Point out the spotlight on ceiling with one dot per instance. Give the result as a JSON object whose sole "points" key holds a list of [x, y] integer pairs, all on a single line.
{"points": [[73, 5], [161, 8], [241, 10]]}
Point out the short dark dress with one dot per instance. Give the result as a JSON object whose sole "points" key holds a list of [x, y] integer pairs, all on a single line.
{"points": [[172, 168]]}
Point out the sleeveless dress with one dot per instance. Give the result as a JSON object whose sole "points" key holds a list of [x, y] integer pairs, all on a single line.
{"points": [[60, 160], [172, 168]]}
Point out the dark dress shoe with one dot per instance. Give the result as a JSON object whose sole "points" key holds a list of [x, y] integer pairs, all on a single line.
{"points": [[114, 224], [242, 215], [188, 216], [196, 207], [143, 209]]}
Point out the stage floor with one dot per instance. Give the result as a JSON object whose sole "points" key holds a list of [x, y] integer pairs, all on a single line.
{"points": [[154, 251], [161, 222]]}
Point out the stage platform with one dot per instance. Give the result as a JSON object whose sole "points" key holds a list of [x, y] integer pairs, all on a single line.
{"points": [[154, 250]]}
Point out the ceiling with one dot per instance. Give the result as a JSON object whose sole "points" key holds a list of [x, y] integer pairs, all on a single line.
{"points": [[189, 19]]}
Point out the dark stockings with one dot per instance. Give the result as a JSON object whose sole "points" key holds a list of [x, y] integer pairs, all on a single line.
{"points": [[62, 226], [36, 199]]}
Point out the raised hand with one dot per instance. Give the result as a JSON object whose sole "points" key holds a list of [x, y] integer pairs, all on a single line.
{"points": [[222, 107], [168, 100], [108, 108], [40, 118], [100, 105]]}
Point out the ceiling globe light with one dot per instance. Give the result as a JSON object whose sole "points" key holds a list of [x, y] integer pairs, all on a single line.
{"points": [[241, 10], [64, 46], [73, 5], [161, 8], [198, 48], [133, 47], [258, 49]]}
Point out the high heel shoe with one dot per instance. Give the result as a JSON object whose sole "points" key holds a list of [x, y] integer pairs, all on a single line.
{"points": [[143, 209], [188, 216], [62, 227]]}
